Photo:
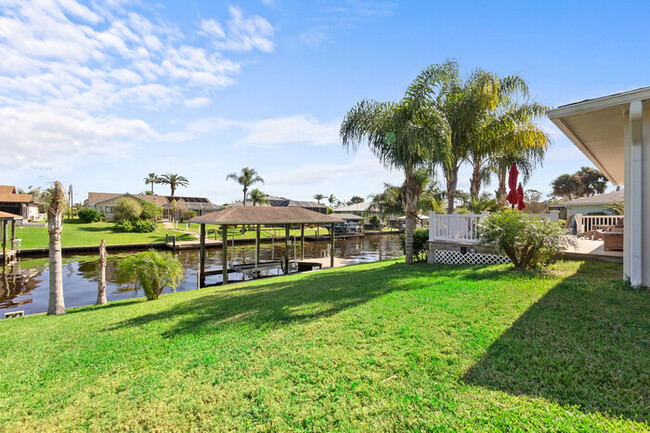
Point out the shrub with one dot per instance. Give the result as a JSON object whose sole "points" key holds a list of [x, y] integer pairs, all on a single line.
{"points": [[615, 208], [528, 242], [88, 216], [150, 211], [125, 226], [151, 271], [135, 226], [420, 244], [374, 222], [127, 209]]}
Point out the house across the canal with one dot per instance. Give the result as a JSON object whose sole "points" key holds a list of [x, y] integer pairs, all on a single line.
{"points": [[106, 201], [18, 204]]}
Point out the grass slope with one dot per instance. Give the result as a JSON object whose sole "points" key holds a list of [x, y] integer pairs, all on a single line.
{"points": [[77, 234], [370, 347]]}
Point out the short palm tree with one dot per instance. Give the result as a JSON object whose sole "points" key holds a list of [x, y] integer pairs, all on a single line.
{"points": [[257, 197], [331, 200], [174, 181], [151, 179], [405, 135], [151, 271], [318, 198], [246, 178], [56, 205]]}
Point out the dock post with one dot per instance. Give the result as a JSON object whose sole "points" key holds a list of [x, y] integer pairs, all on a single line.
{"points": [[224, 253], [332, 246], [166, 238], [257, 246], [13, 233], [201, 281], [4, 242], [302, 241], [287, 234], [174, 243]]}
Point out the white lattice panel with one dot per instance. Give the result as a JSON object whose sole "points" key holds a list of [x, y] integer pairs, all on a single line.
{"points": [[458, 258]]}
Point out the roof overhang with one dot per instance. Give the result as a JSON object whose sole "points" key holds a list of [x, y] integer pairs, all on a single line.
{"points": [[597, 128]]}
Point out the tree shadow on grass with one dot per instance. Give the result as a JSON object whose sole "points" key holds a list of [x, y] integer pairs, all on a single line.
{"points": [[278, 301], [585, 343]]}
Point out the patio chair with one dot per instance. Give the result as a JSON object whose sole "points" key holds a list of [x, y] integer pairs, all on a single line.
{"points": [[612, 236]]}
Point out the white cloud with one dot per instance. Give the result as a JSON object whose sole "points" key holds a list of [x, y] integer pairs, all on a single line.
{"points": [[67, 64]]}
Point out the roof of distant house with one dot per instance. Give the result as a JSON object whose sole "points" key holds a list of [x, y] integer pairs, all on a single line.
{"points": [[161, 200], [265, 215], [357, 207], [286, 202], [349, 217], [8, 195], [601, 199]]}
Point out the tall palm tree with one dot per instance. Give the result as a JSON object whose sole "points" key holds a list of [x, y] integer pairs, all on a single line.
{"points": [[56, 205], [331, 200], [151, 179], [246, 178], [318, 198], [174, 181], [405, 135], [258, 197], [506, 128]]}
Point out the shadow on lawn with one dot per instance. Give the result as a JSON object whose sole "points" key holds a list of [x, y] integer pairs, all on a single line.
{"points": [[277, 302], [585, 343]]}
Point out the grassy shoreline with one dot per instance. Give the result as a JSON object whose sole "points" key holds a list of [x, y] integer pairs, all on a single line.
{"points": [[377, 346]]}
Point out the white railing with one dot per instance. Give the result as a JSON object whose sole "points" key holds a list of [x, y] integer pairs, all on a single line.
{"points": [[586, 223], [464, 227]]}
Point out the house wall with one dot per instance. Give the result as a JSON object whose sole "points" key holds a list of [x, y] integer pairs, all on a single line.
{"points": [[585, 209], [107, 207]]}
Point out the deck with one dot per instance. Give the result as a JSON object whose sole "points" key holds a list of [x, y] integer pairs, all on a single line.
{"points": [[588, 249]]}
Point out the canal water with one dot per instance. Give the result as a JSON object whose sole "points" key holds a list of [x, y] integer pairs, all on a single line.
{"points": [[25, 285]]}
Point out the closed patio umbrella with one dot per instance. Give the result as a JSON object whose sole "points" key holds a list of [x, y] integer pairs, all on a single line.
{"points": [[513, 197], [520, 196]]}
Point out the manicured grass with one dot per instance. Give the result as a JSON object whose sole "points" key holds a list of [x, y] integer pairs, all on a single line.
{"points": [[77, 234], [372, 347]]}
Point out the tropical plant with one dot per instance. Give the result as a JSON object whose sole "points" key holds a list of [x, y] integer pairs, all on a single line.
{"points": [[615, 208], [331, 200], [135, 225], [150, 211], [374, 222], [405, 135], [483, 203], [506, 126], [174, 181], [528, 242], [257, 197], [318, 198], [246, 178], [56, 206], [151, 271], [354, 200], [127, 208], [420, 244], [151, 178], [88, 216]]}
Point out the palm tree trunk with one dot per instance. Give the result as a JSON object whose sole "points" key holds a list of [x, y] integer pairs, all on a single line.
{"points": [[173, 187], [452, 182], [54, 227], [152, 187], [475, 181], [245, 189], [410, 201], [101, 284], [502, 193]]}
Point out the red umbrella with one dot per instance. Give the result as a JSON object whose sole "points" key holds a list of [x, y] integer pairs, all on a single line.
{"points": [[513, 198], [520, 195]]}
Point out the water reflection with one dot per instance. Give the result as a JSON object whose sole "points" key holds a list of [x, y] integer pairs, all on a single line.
{"points": [[25, 284]]}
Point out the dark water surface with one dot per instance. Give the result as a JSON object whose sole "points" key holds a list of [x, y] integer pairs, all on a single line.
{"points": [[25, 285]]}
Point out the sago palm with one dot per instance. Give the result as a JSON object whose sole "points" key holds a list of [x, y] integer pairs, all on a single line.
{"points": [[246, 178]]}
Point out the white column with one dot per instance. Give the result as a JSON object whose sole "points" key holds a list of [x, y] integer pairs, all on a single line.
{"points": [[634, 197]]}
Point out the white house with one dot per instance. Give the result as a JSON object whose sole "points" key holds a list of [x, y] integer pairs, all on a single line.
{"points": [[614, 133]]}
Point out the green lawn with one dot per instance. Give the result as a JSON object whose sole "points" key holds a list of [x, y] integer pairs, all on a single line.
{"points": [[375, 347], [77, 234]]}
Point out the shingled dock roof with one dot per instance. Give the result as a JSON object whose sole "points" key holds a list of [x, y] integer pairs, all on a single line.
{"points": [[6, 216], [265, 215]]}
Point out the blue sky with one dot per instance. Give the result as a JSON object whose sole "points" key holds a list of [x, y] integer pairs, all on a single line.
{"points": [[98, 94]]}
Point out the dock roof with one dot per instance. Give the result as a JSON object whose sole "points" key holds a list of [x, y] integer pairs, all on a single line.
{"points": [[265, 215], [6, 216]]}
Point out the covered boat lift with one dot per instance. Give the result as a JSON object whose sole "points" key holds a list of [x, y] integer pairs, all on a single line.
{"points": [[259, 216], [5, 218]]}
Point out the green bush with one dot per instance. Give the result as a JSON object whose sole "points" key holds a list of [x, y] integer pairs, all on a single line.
{"points": [[420, 244], [127, 208], [150, 211], [151, 271], [88, 216], [527, 241], [374, 222], [135, 226]]}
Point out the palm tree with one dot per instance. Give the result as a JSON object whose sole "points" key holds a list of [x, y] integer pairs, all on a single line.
{"points": [[152, 271], [151, 179], [404, 135], [56, 205], [507, 128], [174, 181], [331, 200], [318, 198], [247, 177], [258, 197]]}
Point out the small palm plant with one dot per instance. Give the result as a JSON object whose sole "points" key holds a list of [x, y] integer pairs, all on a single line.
{"points": [[151, 271], [257, 197]]}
